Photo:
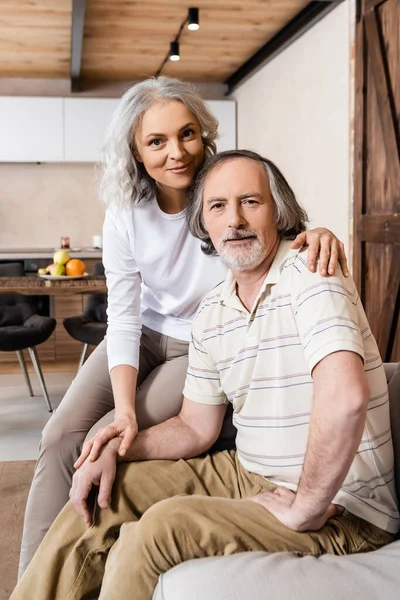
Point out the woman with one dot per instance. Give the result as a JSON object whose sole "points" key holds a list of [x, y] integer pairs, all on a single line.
{"points": [[156, 276]]}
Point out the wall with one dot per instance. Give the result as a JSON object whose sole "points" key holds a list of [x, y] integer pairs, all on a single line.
{"points": [[41, 202], [295, 111]]}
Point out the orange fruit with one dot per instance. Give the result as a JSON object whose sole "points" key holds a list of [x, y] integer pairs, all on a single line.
{"points": [[75, 268]]}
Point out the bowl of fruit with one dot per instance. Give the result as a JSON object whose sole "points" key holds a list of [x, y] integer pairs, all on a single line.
{"points": [[63, 267]]}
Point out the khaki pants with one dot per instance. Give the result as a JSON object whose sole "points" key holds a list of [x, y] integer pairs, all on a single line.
{"points": [[89, 403], [163, 513]]}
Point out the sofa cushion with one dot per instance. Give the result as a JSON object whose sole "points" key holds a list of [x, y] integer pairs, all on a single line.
{"points": [[259, 575], [394, 395]]}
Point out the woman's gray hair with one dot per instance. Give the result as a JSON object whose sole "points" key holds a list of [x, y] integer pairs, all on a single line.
{"points": [[124, 179], [290, 217]]}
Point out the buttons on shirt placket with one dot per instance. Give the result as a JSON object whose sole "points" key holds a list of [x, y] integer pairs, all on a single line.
{"points": [[251, 339]]}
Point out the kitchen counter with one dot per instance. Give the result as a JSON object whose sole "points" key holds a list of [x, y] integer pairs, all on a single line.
{"points": [[34, 286], [36, 253]]}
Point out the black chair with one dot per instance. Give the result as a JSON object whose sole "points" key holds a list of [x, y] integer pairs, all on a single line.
{"points": [[22, 328], [90, 327]]}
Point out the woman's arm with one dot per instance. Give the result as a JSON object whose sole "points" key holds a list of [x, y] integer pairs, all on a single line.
{"points": [[123, 333], [123, 381]]}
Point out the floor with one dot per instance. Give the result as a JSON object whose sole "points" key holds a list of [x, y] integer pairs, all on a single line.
{"points": [[15, 480], [22, 418]]}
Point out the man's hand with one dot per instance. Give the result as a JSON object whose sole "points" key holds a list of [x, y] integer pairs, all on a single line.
{"points": [[100, 473], [325, 247], [280, 503], [124, 426]]}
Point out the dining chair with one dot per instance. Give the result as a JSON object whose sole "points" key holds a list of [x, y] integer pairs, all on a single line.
{"points": [[90, 327], [22, 328]]}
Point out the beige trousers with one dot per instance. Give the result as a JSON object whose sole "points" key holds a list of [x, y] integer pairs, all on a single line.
{"points": [[88, 405], [163, 513]]}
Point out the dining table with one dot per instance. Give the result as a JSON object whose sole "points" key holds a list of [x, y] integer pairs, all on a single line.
{"points": [[36, 286]]}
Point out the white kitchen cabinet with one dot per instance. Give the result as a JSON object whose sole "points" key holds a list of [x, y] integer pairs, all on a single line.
{"points": [[73, 129], [87, 119], [225, 112], [31, 129], [85, 123]]}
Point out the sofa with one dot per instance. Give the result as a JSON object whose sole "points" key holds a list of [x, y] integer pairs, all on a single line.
{"points": [[283, 576]]}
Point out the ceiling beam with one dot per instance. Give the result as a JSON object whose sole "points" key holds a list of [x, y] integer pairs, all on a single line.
{"points": [[306, 18], [77, 30]]}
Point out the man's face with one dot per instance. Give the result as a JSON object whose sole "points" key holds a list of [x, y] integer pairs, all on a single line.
{"points": [[238, 213]]}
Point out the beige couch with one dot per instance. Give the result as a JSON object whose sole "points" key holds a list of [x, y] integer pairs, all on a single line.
{"points": [[282, 576]]}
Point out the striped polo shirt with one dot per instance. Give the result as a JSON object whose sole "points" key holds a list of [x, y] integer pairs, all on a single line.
{"points": [[261, 361]]}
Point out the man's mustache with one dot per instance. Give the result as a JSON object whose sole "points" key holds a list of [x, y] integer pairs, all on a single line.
{"points": [[240, 234]]}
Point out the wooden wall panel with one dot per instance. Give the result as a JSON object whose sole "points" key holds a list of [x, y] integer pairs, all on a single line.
{"points": [[389, 16], [377, 170], [377, 185]]}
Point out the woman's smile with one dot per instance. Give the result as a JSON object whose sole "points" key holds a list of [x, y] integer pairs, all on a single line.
{"points": [[180, 169]]}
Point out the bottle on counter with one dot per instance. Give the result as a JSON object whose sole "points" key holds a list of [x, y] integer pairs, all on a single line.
{"points": [[97, 242], [64, 242]]}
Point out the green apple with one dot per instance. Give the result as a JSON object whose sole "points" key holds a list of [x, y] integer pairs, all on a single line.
{"points": [[42, 271], [61, 257], [56, 270]]}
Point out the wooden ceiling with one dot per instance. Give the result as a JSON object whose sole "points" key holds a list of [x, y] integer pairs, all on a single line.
{"points": [[128, 40]]}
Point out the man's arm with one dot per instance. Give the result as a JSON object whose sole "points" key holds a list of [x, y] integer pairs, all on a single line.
{"points": [[189, 434], [337, 421]]}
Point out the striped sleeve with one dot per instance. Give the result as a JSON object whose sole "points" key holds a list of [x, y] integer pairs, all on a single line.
{"points": [[203, 382], [326, 312]]}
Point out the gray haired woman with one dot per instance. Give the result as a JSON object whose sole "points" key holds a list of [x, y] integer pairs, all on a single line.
{"points": [[156, 276]]}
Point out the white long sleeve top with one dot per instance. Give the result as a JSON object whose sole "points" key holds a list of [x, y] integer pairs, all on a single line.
{"points": [[156, 276]]}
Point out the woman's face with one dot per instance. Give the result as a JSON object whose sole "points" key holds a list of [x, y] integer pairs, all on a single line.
{"points": [[168, 143]]}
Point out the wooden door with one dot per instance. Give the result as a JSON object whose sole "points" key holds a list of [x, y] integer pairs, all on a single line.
{"points": [[377, 170]]}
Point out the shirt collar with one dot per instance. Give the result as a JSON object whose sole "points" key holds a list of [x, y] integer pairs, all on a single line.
{"points": [[228, 291]]}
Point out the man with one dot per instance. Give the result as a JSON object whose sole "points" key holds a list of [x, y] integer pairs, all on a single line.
{"points": [[293, 353]]}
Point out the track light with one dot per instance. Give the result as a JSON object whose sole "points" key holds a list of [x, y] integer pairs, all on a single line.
{"points": [[174, 51], [193, 19]]}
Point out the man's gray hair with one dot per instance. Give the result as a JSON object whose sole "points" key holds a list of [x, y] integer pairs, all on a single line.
{"points": [[290, 217]]}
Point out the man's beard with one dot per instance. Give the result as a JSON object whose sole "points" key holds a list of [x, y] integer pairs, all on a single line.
{"points": [[241, 257]]}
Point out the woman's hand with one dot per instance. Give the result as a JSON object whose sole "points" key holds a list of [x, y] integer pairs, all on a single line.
{"points": [[124, 426], [325, 246]]}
